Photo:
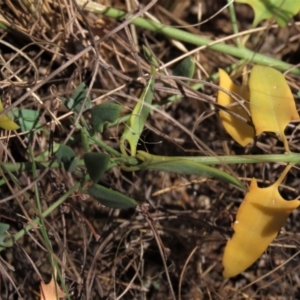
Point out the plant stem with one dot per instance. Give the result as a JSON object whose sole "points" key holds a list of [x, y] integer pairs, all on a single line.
{"points": [[247, 159], [234, 23], [206, 160], [36, 221], [233, 159], [106, 147], [27, 166], [188, 37]]}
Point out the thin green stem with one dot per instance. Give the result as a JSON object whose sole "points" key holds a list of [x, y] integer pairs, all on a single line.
{"points": [[36, 221], [39, 205], [104, 146], [188, 37], [246, 159], [27, 166], [42, 224], [234, 23], [206, 160]]}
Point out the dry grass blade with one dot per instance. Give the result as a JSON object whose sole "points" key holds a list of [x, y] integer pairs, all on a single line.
{"points": [[48, 50], [143, 209]]}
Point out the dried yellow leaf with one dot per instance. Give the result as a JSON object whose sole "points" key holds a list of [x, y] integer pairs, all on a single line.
{"points": [[238, 129], [272, 104], [5, 122], [258, 221], [51, 291]]}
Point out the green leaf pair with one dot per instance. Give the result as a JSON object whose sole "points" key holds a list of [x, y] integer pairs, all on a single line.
{"points": [[66, 156], [97, 164]]}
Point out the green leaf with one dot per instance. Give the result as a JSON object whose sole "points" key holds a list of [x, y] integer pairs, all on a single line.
{"points": [[109, 197], [72, 165], [152, 60], [5, 122], [281, 10], [65, 155], [105, 112], [185, 68], [77, 99], [3, 228], [44, 156], [137, 120], [96, 164], [85, 141], [182, 166], [28, 118]]}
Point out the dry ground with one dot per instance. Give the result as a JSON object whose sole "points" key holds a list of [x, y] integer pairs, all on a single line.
{"points": [[112, 254]]}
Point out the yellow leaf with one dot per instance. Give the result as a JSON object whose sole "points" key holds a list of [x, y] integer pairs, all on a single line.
{"points": [[258, 221], [272, 104], [238, 129], [51, 291], [6, 123]]}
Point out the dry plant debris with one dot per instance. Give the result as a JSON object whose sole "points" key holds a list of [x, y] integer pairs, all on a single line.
{"points": [[51, 291], [47, 49]]}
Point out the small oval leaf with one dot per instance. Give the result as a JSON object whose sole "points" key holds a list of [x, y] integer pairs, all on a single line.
{"points": [[27, 118], [78, 98], [104, 112], [72, 165], [96, 164], [65, 155], [109, 197], [185, 68]]}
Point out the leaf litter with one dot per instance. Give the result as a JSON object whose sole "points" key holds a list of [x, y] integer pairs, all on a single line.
{"points": [[126, 258]]}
